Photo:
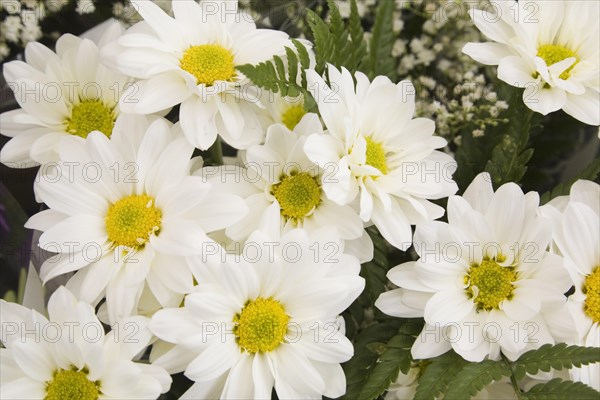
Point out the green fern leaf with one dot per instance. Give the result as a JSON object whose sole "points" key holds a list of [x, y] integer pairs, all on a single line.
{"points": [[382, 42], [474, 377], [438, 375], [557, 357], [557, 389]]}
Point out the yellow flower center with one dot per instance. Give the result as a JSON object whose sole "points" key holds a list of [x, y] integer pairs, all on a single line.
{"points": [[292, 116], [89, 116], [591, 289], [261, 325], [71, 384], [131, 221], [376, 156], [553, 54], [489, 283], [298, 194], [209, 63]]}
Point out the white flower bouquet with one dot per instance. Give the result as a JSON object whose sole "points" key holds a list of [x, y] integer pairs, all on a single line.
{"points": [[354, 199]]}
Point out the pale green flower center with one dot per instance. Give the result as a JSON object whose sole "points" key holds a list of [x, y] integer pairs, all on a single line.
{"points": [[89, 116], [292, 116], [298, 194], [261, 325], [70, 385], [591, 289], [376, 156], [209, 63], [488, 284], [553, 54], [131, 221]]}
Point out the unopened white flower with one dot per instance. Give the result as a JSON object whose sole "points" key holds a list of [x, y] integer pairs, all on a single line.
{"points": [[85, 7], [576, 221], [380, 155], [191, 60], [484, 280], [30, 3], [261, 322], [11, 27], [542, 47], [30, 33], [63, 97], [283, 187], [68, 355], [135, 208]]}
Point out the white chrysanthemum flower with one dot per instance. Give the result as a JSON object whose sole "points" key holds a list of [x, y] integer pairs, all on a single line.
{"points": [[377, 152], [63, 97], [484, 279], [283, 187], [266, 320], [68, 355], [542, 46], [119, 222], [192, 60], [576, 221]]}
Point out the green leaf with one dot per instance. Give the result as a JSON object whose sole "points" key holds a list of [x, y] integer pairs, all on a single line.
{"points": [[557, 389], [557, 357], [375, 271], [394, 359], [509, 158], [474, 377], [272, 75], [336, 42], [591, 172], [438, 374], [304, 61], [380, 61], [357, 36], [323, 39], [366, 355]]}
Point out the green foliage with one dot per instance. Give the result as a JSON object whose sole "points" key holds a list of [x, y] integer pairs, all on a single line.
{"points": [[438, 374], [557, 357], [272, 75], [380, 61], [474, 377], [508, 160], [557, 389], [591, 172], [395, 358], [335, 42], [503, 151], [375, 271], [367, 348], [381, 352]]}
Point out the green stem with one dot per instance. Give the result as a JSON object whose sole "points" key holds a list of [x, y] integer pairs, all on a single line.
{"points": [[513, 380], [215, 152]]}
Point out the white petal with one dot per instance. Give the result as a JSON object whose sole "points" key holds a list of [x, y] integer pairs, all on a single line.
{"points": [[164, 26], [156, 94], [585, 107], [394, 227], [198, 121], [487, 53], [544, 100], [215, 360], [34, 359], [448, 307], [239, 384], [516, 71]]}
